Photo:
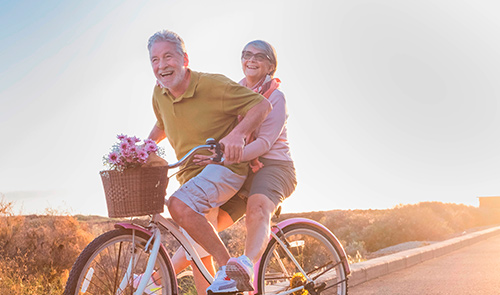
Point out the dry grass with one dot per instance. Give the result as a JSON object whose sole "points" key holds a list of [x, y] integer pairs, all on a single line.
{"points": [[365, 231], [37, 252]]}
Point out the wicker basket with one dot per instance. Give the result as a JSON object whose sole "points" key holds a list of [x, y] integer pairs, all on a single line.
{"points": [[135, 192]]}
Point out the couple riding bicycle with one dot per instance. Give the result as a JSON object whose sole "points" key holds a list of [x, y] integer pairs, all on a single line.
{"points": [[295, 256], [249, 120]]}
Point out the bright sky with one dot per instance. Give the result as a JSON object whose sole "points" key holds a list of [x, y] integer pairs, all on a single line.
{"points": [[390, 102]]}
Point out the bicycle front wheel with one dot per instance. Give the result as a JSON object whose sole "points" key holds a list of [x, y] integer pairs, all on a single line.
{"points": [[114, 263], [314, 254]]}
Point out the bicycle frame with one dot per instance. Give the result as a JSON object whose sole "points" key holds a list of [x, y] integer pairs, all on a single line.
{"points": [[155, 234], [275, 230], [155, 238]]}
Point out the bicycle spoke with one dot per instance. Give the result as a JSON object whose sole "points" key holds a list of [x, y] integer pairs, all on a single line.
{"points": [[117, 267], [98, 286], [308, 256], [327, 269], [104, 269], [98, 266], [113, 258]]}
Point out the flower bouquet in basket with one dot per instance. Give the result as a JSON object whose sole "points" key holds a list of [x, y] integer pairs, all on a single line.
{"points": [[131, 188]]}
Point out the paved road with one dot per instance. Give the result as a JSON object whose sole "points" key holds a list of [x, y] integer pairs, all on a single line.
{"points": [[471, 270]]}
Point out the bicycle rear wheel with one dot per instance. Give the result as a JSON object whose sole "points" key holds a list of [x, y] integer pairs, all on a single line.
{"points": [[113, 264], [314, 252]]}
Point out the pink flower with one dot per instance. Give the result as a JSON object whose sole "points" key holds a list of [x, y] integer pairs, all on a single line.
{"points": [[114, 157], [151, 147], [133, 140], [149, 141], [133, 149], [124, 146], [142, 155], [129, 152]]}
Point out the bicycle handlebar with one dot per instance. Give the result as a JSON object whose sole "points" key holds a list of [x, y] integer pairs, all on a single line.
{"points": [[209, 145]]}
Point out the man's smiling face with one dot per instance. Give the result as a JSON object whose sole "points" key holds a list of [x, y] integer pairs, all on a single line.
{"points": [[169, 65]]}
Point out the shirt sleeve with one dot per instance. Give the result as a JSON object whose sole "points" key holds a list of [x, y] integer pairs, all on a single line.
{"points": [[238, 100], [270, 130], [156, 109]]}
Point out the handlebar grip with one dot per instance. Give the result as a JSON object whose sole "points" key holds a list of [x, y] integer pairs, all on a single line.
{"points": [[218, 150]]}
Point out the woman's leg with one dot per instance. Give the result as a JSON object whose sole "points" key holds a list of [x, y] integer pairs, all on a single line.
{"points": [[258, 223]]}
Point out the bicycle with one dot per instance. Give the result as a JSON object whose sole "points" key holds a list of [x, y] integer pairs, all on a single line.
{"points": [[302, 255]]}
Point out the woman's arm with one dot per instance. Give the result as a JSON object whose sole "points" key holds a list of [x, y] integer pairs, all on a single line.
{"points": [[268, 134], [270, 130]]}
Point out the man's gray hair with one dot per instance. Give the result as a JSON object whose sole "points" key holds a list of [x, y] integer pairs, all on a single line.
{"points": [[268, 50], [167, 36]]}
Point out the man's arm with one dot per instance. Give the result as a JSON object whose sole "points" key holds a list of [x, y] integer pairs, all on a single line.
{"points": [[157, 134], [235, 140]]}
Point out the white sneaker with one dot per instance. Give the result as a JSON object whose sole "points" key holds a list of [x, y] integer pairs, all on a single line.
{"points": [[151, 288], [222, 283], [241, 270]]}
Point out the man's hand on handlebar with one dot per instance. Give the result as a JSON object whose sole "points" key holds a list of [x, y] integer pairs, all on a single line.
{"points": [[211, 145], [215, 158], [233, 147]]}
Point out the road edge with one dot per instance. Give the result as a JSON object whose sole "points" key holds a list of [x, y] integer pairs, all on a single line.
{"points": [[368, 270]]}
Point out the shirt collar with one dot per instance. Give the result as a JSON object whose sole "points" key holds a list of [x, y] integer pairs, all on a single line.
{"points": [[193, 82]]}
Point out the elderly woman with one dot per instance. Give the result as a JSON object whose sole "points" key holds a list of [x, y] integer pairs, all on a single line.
{"points": [[271, 181]]}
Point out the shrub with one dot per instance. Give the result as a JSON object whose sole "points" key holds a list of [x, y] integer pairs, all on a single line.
{"points": [[362, 231], [37, 252]]}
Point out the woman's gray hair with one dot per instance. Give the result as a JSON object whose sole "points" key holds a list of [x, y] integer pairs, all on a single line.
{"points": [[268, 50], [167, 36]]}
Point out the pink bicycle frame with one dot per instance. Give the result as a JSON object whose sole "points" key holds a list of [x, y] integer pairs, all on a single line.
{"points": [[317, 225]]}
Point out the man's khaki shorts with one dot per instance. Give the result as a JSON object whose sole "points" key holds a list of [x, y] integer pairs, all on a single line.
{"points": [[212, 187], [205, 192]]}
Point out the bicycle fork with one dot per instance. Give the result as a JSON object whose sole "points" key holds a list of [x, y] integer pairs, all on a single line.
{"points": [[128, 277]]}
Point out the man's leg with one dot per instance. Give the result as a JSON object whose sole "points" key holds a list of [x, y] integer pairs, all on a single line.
{"points": [[180, 261], [198, 228], [211, 188], [224, 220], [199, 281]]}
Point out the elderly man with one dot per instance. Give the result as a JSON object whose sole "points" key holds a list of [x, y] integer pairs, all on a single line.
{"points": [[191, 107]]}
